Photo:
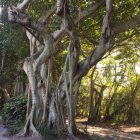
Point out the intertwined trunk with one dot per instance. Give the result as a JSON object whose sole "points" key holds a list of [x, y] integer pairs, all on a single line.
{"points": [[47, 100]]}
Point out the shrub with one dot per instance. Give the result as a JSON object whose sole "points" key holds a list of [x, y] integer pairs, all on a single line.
{"points": [[15, 108]]}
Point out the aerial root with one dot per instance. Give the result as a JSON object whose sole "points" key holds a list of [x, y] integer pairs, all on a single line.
{"points": [[29, 130], [71, 135]]}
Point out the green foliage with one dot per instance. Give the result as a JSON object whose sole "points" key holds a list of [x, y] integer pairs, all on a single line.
{"points": [[13, 42], [15, 108]]}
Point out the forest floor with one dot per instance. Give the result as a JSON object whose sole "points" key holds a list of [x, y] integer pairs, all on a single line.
{"points": [[5, 133], [94, 132], [108, 131], [100, 132]]}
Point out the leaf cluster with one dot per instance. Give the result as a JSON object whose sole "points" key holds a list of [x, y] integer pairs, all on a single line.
{"points": [[15, 108]]}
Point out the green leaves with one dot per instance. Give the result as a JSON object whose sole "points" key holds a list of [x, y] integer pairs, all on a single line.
{"points": [[15, 108]]}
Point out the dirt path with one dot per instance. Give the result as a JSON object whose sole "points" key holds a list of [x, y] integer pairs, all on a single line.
{"points": [[99, 133], [3, 130]]}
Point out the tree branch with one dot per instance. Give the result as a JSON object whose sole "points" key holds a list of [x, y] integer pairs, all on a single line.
{"points": [[83, 14], [46, 16], [99, 52], [106, 42], [122, 27], [17, 16], [88, 11], [23, 6]]}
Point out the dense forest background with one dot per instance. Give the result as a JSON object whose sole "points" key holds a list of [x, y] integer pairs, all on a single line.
{"points": [[110, 88]]}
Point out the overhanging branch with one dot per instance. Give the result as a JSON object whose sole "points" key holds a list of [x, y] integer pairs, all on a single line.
{"points": [[122, 27], [88, 11], [23, 6], [17, 16]]}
